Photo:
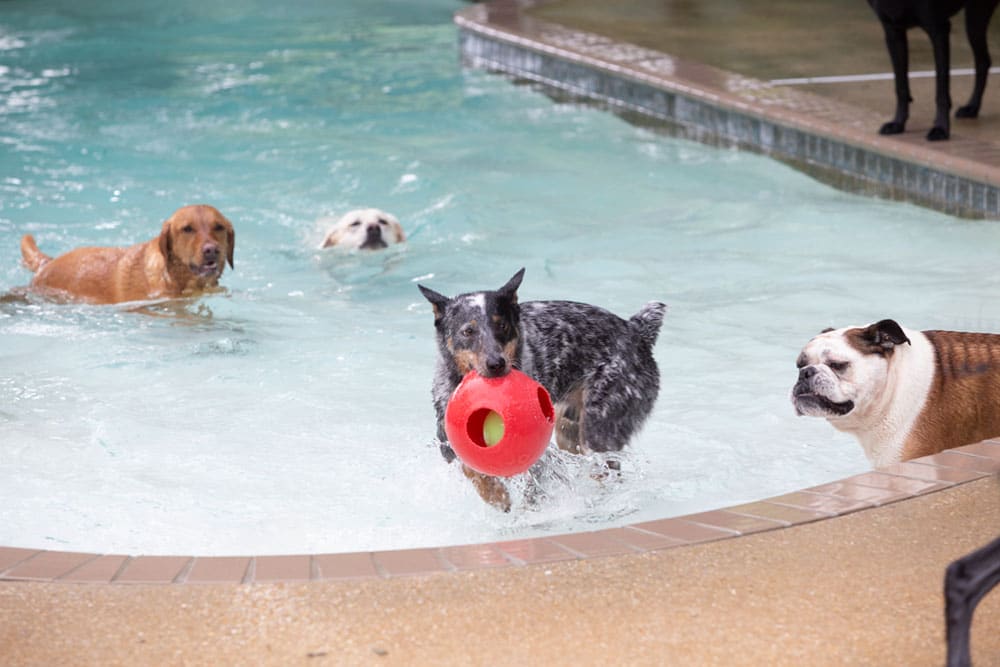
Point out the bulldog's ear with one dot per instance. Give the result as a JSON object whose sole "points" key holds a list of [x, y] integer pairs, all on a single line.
{"points": [[438, 301], [885, 334], [827, 330], [509, 291], [166, 243]]}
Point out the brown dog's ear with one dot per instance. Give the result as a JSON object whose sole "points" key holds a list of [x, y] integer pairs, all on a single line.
{"points": [[165, 241], [231, 242]]}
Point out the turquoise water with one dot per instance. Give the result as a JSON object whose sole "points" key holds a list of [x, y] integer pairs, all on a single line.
{"points": [[292, 413]]}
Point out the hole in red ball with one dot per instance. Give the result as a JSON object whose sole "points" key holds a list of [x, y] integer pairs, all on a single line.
{"points": [[474, 426], [545, 403]]}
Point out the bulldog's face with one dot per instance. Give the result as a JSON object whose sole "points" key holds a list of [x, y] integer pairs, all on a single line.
{"points": [[365, 229], [843, 370]]}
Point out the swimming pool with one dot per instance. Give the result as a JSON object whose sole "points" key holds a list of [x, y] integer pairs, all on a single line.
{"points": [[293, 414]]}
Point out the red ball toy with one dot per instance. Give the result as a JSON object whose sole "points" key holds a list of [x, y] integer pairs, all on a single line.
{"points": [[499, 426]]}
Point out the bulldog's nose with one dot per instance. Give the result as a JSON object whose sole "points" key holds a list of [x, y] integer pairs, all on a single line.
{"points": [[210, 252], [807, 372]]}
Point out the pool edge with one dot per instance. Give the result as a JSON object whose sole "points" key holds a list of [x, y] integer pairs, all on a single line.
{"points": [[877, 488]]}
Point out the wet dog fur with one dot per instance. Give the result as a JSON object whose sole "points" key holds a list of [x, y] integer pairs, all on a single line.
{"points": [[363, 229], [186, 258], [597, 367]]}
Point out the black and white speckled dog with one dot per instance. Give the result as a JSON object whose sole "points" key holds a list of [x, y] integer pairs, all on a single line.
{"points": [[598, 368]]}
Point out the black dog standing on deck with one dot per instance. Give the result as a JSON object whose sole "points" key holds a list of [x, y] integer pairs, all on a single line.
{"points": [[897, 16], [598, 368]]}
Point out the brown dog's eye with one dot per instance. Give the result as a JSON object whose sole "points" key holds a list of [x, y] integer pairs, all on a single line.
{"points": [[219, 227], [187, 229]]}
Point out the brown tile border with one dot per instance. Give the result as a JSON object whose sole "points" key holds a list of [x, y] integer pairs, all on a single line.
{"points": [[866, 490]]}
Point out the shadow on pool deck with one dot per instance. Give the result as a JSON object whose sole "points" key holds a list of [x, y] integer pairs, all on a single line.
{"points": [[864, 588]]}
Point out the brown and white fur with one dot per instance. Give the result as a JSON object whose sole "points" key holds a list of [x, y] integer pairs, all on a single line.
{"points": [[363, 229], [186, 258], [902, 393]]}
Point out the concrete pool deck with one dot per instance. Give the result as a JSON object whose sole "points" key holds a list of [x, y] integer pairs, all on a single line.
{"points": [[849, 572]]}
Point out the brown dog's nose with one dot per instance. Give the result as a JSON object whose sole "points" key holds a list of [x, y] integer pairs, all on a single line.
{"points": [[210, 252]]}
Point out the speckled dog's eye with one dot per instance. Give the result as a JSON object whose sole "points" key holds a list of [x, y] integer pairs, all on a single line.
{"points": [[468, 330]]}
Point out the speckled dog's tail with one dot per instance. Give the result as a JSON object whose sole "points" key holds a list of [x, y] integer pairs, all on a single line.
{"points": [[648, 320]]}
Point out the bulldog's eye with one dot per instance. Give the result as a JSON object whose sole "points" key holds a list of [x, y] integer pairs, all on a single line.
{"points": [[356, 223], [187, 229], [838, 366]]}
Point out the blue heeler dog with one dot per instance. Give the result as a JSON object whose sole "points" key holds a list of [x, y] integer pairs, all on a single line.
{"points": [[598, 368]]}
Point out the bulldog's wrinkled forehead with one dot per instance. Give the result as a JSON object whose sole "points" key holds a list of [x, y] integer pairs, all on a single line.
{"points": [[833, 344]]}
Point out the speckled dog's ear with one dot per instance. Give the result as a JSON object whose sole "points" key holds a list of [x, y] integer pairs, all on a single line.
{"points": [[509, 291], [438, 301]]}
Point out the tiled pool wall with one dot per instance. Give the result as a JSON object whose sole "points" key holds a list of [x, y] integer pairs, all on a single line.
{"points": [[880, 487], [833, 142]]}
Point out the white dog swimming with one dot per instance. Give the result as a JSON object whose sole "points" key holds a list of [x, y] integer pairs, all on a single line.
{"points": [[363, 229]]}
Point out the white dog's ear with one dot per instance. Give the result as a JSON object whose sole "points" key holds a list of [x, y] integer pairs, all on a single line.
{"points": [[439, 301], [509, 291], [885, 335]]}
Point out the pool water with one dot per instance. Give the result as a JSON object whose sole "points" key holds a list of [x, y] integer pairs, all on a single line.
{"points": [[292, 412]]}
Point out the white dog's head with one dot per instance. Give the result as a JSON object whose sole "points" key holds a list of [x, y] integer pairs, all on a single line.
{"points": [[365, 229], [844, 370]]}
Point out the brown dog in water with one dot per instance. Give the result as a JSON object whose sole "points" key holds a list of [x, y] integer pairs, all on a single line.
{"points": [[187, 257]]}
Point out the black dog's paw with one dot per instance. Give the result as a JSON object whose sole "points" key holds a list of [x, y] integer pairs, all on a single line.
{"points": [[967, 111], [937, 134], [892, 127]]}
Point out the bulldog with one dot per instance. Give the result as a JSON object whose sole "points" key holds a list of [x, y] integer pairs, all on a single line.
{"points": [[902, 393]]}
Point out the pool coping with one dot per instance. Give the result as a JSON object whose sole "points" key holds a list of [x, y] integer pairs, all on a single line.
{"points": [[877, 488], [707, 104], [828, 139]]}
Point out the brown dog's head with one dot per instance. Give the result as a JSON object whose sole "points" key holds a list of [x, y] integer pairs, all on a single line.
{"points": [[199, 240]]}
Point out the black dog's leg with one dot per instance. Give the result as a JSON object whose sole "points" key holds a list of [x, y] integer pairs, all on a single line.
{"points": [[899, 53], [938, 33], [977, 20], [966, 581]]}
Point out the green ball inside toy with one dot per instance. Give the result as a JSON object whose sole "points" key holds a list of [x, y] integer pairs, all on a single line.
{"points": [[492, 428]]}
